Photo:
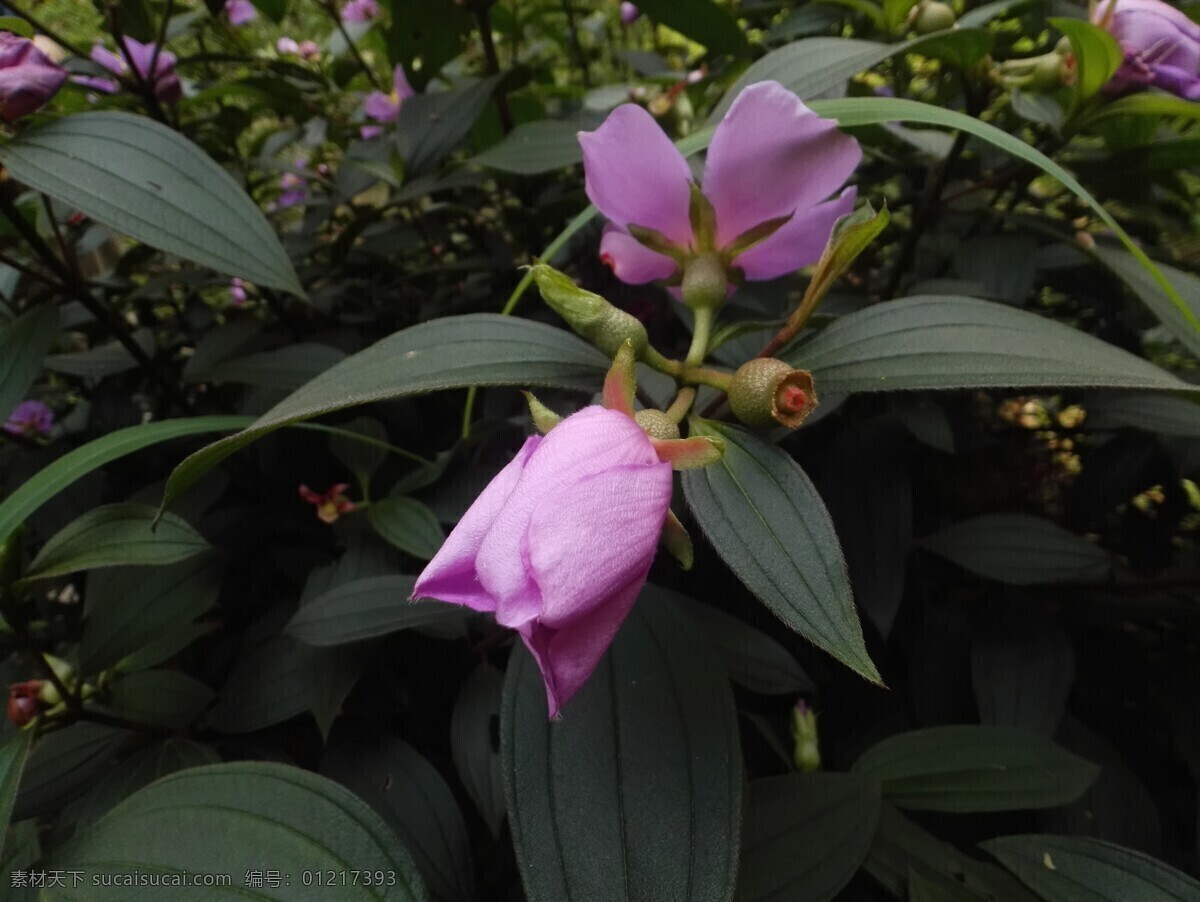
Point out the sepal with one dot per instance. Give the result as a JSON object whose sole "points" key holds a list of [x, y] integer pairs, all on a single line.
{"points": [[690, 453], [677, 541], [544, 419], [621, 382]]}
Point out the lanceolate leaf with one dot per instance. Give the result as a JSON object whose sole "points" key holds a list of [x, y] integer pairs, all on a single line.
{"points": [[701, 20], [763, 516], [1080, 869], [474, 745], [944, 342], [976, 768], [635, 793], [147, 180], [24, 343], [365, 608], [408, 524], [806, 835], [241, 816], [12, 763], [452, 352]]}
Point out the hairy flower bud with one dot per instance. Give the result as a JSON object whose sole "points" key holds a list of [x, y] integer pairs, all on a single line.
{"points": [[929, 16], [657, 424], [590, 315], [766, 390], [806, 749], [704, 282]]}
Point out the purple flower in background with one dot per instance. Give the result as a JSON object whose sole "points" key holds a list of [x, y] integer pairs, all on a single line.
{"points": [[386, 107], [240, 12], [559, 544], [770, 157], [28, 78], [360, 11], [1160, 43], [30, 418], [629, 13], [167, 88], [293, 191], [306, 50], [237, 291]]}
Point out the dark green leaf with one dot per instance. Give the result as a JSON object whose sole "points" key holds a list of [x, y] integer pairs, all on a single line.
{"points": [[806, 835], [246, 816], [763, 516], [1075, 869], [165, 646], [265, 687], [147, 180], [274, 10], [983, 14], [1168, 414], [362, 458], [701, 20], [975, 768], [432, 30], [161, 697], [960, 47], [452, 352], [1142, 284], [431, 125], [637, 788], [1019, 549], [366, 608], [287, 368], [113, 535], [535, 147], [944, 342], [407, 524], [1022, 670], [12, 764], [62, 763], [752, 659], [24, 343], [473, 728], [103, 360]]}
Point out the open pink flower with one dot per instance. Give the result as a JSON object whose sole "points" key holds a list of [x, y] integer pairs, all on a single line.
{"points": [[28, 78], [360, 11], [559, 544], [330, 505], [240, 12], [770, 157], [167, 88], [386, 107], [29, 418], [1160, 43]]}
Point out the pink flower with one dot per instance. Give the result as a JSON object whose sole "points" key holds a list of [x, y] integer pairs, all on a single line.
{"points": [[629, 13], [306, 50], [770, 157], [559, 544], [240, 12], [237, 291], [29, 418], [360, 11], [28, 78], [293, 191], [167, 88], [386, 107], [330, 505], [1161, 46]]}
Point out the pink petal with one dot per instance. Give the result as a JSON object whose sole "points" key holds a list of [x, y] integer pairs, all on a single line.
{"points": [[451, 576], [630, 260], [589, 540], [772, 156], [109, 60], [400, 83], [634, 174], [381, 107], [798, 242], [568, 656]]}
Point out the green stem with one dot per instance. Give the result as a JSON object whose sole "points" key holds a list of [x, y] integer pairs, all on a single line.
{"points": [[701, 336], [681, 405], [653, 359], [699, 375]]}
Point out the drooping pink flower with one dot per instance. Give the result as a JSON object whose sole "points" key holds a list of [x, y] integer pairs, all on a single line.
{"points": [[28, 78], [1161, 46], [29, 418], [629, 13], [240, 12], [559, 544], [360, 11], [386, 107], [770, 157], [330, 505], [167, 87]]}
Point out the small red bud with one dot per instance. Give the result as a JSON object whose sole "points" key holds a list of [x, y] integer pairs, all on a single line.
{"points": [[23, 702]]}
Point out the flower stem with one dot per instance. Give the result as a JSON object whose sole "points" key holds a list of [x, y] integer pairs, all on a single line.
{"points": [[681, 405], [653, 359], [700, 337], [699, 375]]}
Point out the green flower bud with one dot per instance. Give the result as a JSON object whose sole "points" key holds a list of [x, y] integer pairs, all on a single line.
{"points": [[806, 747], [657, 424], [766, 390], [590, 315], [705, 282], [929, 16]]}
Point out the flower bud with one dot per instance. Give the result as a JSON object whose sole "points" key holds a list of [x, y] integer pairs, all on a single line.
{"points": [[705, 282], [23, 702], [590, 315], [657, 424], [806, 747], [929, 16], [28, 78], [766, 390]]}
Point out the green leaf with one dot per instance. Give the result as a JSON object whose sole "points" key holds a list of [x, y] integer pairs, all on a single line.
{"points": [[16, 26], [147, 180], [116, 534], [164, 647], [1167, 414], [976, 768], [805, 836], [431, 125], [981, 15], [1153, 103], [1141, 283], [1022, 672], [286, 368], [107, 359], [944, 342], [274, 10], [476, 755], [362, 458], [1097, 55], [12, 763], [639, 784], [366, 608], [767, 522], [1079, 869], [24, 343], [752, 659], [407, 524], [701, 20], [245, 816], [963, 48], [165, 698], [1019, 550], [535, 147], [129, 609], [451, 352], [414, 800], [76, 464], [432, 30], [62, 764], [265, 687]]}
